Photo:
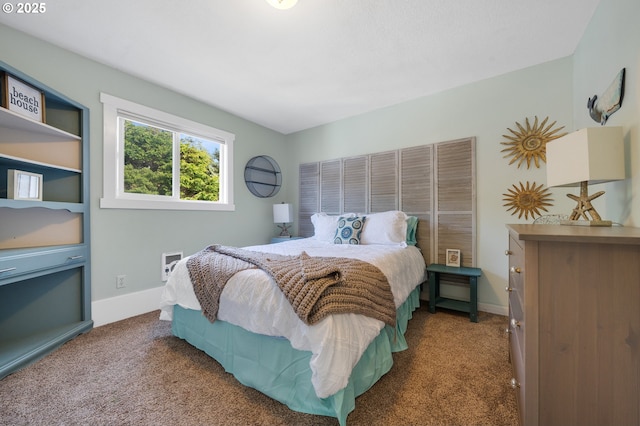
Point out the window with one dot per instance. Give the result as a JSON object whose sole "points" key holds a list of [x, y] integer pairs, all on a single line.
{"points": [[154, 160]]}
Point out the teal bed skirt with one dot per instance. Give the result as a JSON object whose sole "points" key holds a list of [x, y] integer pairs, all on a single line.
{"points": [[272, 366]]}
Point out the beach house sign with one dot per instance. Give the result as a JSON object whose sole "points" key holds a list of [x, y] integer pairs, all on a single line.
{"points": [[23, 99]]}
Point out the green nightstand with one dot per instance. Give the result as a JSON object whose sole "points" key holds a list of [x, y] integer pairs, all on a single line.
{"points": [[459, 305]]}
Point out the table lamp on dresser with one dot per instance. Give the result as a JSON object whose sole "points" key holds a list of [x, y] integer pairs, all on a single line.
{"points": [[587, 156]]}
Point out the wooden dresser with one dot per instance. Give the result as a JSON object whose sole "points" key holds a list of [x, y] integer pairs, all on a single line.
{"points": [[574, 334]]}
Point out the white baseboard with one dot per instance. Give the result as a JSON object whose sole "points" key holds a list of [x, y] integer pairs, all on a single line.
{"points": [[483, 307], [117, 308], [129, 305], [494, 309]]}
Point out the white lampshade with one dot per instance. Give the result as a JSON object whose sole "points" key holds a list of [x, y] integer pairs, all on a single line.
{"points": [[282, 213], [592, 155], [282, 4]]}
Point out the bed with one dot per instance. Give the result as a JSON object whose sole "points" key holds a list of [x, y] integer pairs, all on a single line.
{"points": [[258, 337]]}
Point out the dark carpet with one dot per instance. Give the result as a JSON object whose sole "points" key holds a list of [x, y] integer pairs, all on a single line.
{"points": [[134, 372]]}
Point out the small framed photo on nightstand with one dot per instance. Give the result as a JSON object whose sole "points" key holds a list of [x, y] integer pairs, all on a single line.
{"points": [[453, 257], [24, 185]]}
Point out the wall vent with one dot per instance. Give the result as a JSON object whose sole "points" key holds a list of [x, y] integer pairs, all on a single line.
{"points": [[169, 261]]}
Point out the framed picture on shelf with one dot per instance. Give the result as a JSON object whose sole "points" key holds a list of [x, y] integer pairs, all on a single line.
{"points": [[24, 185], [21, 98], [453, 257]]}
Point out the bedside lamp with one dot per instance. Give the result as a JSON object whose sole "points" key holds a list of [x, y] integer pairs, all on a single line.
{"points": [[586, 156], [283, 213]]}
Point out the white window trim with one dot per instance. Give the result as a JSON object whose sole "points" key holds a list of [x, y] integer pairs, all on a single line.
{"points": [[115, 198]]}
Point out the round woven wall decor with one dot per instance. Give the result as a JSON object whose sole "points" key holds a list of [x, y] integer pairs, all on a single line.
{"points": [[263, 176]]}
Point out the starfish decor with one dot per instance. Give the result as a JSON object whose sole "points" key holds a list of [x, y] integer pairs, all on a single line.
{"points": [[584, 206]]}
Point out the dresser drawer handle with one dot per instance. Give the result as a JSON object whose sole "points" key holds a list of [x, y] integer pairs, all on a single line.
{"points": [[515, 269], [79, 256], [508, 289], [515, 323], [7, 270], [514, 383]]}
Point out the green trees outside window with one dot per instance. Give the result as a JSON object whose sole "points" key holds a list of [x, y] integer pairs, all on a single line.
{"points": [[149, 163]]}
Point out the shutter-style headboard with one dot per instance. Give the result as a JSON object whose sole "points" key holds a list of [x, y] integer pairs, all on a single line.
{"points": [[434, 182]]}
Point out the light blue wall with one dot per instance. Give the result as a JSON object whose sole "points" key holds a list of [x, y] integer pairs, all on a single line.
{"points": [[558, 90], [484, 110], [131, 242], [610, 43]]}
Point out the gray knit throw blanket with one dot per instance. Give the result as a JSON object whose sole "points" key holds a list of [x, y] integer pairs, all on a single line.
{"points": [[315, 286]]}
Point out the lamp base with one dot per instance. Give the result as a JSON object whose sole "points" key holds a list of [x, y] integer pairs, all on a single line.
{"points": [[584, 207], [285, 230], [586, 222]]}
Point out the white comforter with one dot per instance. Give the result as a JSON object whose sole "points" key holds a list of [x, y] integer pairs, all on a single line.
{"points": [[253, 301]]}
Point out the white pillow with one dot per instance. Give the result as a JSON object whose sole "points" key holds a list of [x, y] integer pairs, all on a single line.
{"points": [[388, 228], [325, 226]]}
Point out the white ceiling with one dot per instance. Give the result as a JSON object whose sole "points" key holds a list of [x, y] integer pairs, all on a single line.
{"points": [[319, 62]]}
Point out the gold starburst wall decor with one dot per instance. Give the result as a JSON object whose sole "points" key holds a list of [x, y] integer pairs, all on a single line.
{"points": [[529, 142], [527, 200]]}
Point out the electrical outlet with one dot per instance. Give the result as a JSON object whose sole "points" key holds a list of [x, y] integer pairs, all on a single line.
{"points": [[121, 281]]}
